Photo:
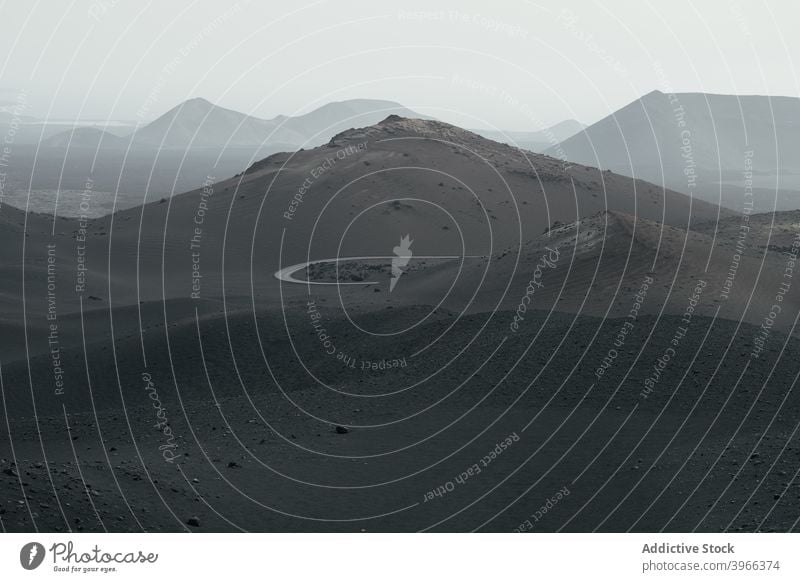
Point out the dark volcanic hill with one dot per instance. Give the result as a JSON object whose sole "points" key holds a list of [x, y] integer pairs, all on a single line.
{"points": [[454, 193]]}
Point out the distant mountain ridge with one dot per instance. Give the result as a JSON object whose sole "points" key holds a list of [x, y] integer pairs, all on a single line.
{"points": [[700, 144], [198, 123], [536, 141], [84, 137]]}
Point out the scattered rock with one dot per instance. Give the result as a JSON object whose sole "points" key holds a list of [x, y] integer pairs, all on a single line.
{"points": [[341, 430], [193, 522]]}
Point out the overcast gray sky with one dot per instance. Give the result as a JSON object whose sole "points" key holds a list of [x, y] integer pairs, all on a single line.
{"points": [[511, 64]]}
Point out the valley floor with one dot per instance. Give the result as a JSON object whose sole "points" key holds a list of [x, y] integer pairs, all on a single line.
{"points": [[527, 437]]}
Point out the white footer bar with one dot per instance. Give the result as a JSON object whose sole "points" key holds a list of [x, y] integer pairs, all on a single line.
{"points": [[400, 557]]}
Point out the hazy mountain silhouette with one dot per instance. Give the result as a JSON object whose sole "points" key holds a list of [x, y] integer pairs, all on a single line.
{"points": [[199, 123], [700, 144], [536, 141], [84, 137], [176, 152]]}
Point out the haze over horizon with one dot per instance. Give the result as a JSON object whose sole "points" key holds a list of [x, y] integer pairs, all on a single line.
{"points": [[542, 64]]}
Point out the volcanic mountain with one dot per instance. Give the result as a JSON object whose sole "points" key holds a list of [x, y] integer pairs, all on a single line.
{"points": [[702, 144], [455, 194]]}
